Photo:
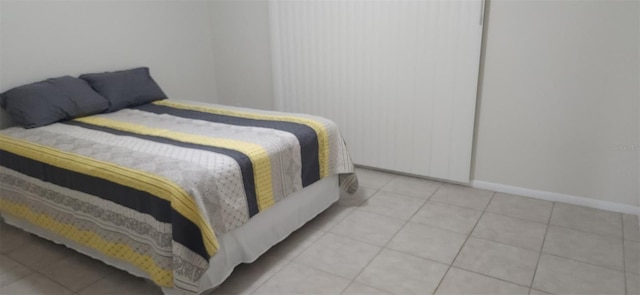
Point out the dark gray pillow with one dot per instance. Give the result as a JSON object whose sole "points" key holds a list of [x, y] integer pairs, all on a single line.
{"points": [[125, 88], [46, 102]]}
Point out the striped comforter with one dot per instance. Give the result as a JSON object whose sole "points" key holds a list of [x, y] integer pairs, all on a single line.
{"points": [[154, 185]]}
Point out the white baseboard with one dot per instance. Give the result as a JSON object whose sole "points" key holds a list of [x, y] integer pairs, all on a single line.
{"points": [[557, 197]]}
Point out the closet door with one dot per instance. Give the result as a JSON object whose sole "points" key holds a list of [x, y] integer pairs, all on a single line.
{"points": [[398, 77]]}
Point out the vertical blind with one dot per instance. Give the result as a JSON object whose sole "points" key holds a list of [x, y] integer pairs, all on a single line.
{"points": [[398, 77]]}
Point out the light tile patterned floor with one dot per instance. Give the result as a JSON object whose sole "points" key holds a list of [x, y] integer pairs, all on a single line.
{"points": [[396, 235]]}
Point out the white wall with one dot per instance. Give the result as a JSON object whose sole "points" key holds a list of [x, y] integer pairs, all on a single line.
{"points": [[560, 89], [42, 39], [242, 53]]}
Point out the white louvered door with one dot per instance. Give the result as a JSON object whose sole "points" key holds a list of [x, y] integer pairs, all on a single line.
{"points": [[399, 77]]}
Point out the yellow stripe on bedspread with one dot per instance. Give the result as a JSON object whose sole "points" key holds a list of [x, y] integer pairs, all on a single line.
{"points": [[161, 276], [257, 154], [153, 184], [323, 135]]}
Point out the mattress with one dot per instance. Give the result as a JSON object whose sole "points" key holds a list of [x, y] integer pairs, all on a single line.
{"points": [[152, 188]]}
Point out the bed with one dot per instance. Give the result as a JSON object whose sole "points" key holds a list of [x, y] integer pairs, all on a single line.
{"points": [[178, 192]]}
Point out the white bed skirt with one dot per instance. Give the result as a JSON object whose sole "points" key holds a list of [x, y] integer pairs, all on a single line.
{"points": [[241, 245], [246, 243]]}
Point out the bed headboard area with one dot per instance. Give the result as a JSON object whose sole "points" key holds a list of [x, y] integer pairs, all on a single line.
{"points": [[45, 39]]}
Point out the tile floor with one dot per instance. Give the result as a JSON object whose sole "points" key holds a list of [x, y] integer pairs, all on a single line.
{"points": [[396, 235]]}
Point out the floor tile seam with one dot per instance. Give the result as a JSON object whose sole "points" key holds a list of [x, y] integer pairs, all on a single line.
{"points": [[624, 260], [351, 280], [407, 195], [398, 175], [356, 239], [439, 227], [104, 278], [454, 205], [630, 240], [46, 277], [541, 291], [31, 271], [287, 263], [489, 276], [7, 252], [463, 244], [587, 232], [68, 257], [595, 211], [588, 263], [38, 271], [544, 240], [345, 217], [376, 190], [389, 241], [417, 256], [463, 207], [591, 263], [507, 244], [383, 215], [339, 235], [393, 175], [372, 287], [332, 226], [355, 278], [521, 219], [425, 202], [308, 266], [369, 211], [349, 238], [352, 208], [322, 234], [624, 236], [368, 187], [411, 220]]}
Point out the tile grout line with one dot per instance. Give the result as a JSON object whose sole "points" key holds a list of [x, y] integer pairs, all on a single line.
{"points": [[403, 194], [37, 271], [390, 239], [588, 232], [385, 183], [514, 217], [624, 262], [544, 239], [148, 281], [376, 191], [507, 244], [588, 263], [549, 254], [41, 274], [265, 281], [489, 276], [289, 261], [292, 260], [374, 256], [465, 242], [18, 262]]}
